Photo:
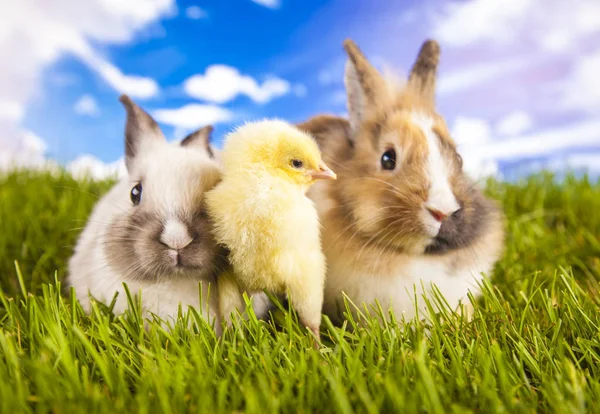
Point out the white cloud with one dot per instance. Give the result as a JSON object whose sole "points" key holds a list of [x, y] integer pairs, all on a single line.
{"points": [[21, 149], [135, 86], [272, 4], [222, 83], [193, 116], [483, 158], [514, 123], [554, 25], [88, 166], [479, 21], [86, 105], [470, 77], [195, 13], [35, 33], [12, 111], [482, 151], [577, 162], [581, 89], [471, 131]]}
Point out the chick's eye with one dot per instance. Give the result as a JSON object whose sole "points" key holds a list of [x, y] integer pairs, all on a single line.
{"points": [[136, 194], [388, 160], [297, 163]]}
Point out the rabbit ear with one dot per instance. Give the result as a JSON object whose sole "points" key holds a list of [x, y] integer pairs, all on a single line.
{"points": [[363, 84], [140, 130], [200, 139], [423, 74], [332, 134]]}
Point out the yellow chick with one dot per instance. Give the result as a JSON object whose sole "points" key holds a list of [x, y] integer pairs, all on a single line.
{"points": [[261, 213]]}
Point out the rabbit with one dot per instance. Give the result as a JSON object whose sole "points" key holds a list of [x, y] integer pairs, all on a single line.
{"points": [[151, 230], [402, 215]]}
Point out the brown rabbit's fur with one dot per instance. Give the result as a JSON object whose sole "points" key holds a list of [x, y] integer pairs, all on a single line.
{"points": [[376, 239]]}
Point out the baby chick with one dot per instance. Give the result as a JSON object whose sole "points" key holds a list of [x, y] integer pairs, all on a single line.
{"points": [[261, 213]]}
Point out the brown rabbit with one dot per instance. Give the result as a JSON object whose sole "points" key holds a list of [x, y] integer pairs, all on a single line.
{"points": [[402, 215]]}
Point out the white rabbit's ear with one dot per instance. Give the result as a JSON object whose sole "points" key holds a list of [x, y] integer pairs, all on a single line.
{"points": [[200, 139], [423, 75], [364, 84], [140, 130]]}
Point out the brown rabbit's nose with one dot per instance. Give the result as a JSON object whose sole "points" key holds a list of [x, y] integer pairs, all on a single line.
{"points": [[175, 235], [437, 214]]}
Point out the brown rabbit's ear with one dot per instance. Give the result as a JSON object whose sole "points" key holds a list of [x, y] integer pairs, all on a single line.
{"points": [[364, 84], [140, 130], [424, 72], [332, 133], [200, 139]]}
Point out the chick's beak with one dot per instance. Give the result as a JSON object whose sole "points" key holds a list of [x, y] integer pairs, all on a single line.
{"points": [[322, 173]]}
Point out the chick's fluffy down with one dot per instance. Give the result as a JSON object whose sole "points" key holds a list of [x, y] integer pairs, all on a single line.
{"points": [[272, 232], [261, 213]]}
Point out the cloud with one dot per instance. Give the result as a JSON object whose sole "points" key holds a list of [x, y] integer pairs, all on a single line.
{"points": [[576, 162], [195, 13], [21, 149], [482, 152], [34, 34], [514, 123], [135, 86], [581, 89], [479, 20], [470, 77], [86, 105], [554, 25], [272, 4], [543, 143], [222, 83], [471, 131], [193, 116], [12, 111], [88, 166]]}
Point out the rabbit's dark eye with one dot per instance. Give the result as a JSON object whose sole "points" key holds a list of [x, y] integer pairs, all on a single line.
{"points": [[297, 163], [388, 160], [136, 194]]}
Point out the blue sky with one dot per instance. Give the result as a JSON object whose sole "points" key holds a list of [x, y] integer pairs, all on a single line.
{"points": [[518, 81]]}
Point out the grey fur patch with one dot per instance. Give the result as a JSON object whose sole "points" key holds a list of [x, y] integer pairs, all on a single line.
{"points": [[464, 227], [133, 247]]}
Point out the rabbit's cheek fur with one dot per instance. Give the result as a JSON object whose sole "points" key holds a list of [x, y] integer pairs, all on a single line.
{"points": [[136, 247]]}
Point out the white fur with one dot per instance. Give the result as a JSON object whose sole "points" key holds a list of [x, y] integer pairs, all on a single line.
{"points": [[441, 198], [404, 281], [175, 234], [171, 177]]}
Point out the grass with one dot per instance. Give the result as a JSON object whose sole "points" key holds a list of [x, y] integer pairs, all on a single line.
{"points": [[533, 344]]}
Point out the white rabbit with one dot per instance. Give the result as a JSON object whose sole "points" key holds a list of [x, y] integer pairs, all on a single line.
{"points": [[402, 214], [151, 230]]}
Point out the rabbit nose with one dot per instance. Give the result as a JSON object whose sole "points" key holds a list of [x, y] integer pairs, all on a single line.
{"points": [[439, 215], [175, 235]]}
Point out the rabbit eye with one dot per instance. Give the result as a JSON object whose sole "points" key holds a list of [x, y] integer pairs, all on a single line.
{"points": [[136, 194], [388, 160], [297, 163]]}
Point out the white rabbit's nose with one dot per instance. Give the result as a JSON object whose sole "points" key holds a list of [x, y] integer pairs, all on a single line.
{"points": [[175, 235]]}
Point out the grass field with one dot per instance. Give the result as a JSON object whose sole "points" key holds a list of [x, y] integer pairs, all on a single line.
{"points": [[533, 344]]}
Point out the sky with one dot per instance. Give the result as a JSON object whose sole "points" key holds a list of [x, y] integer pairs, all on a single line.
{"points": [[519, 80]]}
